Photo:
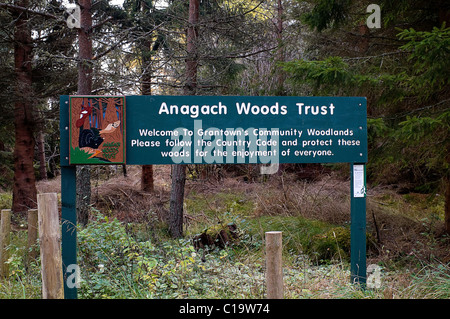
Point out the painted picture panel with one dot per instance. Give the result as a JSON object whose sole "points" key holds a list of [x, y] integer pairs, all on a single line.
{"points": [[97, 130]]}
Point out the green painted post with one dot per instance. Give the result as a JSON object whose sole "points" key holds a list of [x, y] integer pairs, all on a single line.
{"points": [[358, 224], [68, 205], [68, 230]]}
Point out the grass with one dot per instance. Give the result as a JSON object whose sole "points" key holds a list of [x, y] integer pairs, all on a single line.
{"points": [[5, 200], [79, 156], [235, 272]]}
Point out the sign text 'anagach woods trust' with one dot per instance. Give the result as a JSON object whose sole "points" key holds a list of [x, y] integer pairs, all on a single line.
{"points": [[244, 108], [235, 129]]}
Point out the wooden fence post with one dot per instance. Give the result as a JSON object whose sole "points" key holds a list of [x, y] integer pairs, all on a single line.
{"points": [[50, 242], [5, 231], [274, 265], [32, 235]]}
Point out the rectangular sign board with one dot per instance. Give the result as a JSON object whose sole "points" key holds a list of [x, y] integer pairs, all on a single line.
{"points": [[245, 129], [238, 129]]}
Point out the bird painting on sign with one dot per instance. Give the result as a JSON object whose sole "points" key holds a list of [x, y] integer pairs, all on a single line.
{"points": [[97, 132]]}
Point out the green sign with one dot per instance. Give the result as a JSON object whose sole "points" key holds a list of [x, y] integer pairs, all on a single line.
{"points": [[240, 129]]}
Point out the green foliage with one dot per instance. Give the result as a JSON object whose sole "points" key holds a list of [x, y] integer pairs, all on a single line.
{"points": [[115, 265], [415, 149], [23, 282], [327, 75], [337, 76], [377, 128], [432, 281], [110, 257], [406, 84], [327, 13], [430, 58], [5, 200], [79, 156], [320, 241], [428, 142], [333, 244]]}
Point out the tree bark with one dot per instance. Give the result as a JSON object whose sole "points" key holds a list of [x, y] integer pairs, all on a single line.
{"points": [[446, 179], [83, 199], [447, 205], [41, 155], [190, 85], [176, 200], [280, 54], [24, 188], [179, 170], [147, 184], [85, 49]]}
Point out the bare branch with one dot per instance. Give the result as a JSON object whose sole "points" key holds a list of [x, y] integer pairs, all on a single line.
{"points": [[375, 56], [102, 23], [120, 41], [27, 10], [240, 56]]}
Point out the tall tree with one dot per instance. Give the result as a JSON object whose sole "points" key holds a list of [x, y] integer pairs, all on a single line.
{"points": [[86, 60], [402, 68], [145, 44], [37, 79], [83, 198], [24, 188], [190, 86], [280, 54]]}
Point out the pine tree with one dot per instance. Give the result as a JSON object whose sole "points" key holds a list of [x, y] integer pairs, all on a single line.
{"points": [[403, 69]]}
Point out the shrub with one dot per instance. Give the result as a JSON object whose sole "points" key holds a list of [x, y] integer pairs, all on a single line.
{"points": [[333, 244]]}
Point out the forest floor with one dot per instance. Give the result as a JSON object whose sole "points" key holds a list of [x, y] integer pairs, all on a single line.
{"points": [[406, 238]]}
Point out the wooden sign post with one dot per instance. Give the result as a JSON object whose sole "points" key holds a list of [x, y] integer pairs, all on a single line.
{"points": [[5, 236], [274, 265], [49, 240]]}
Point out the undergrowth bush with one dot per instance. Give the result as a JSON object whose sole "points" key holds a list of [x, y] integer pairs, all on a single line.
{"points": [[115, 265], [333, 244], [24, 280]]}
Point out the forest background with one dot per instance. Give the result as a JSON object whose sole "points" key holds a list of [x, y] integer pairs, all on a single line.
{"points": [[290, 47]]}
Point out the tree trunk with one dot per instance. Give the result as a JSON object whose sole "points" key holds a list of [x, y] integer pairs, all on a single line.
{"points": [[146, 89], [85, 49], [24, 188], [147, 178], [179, 170], [281, 75], [83, 199], [41, 155], [176, 200], [147, 184], [447, 191], [280, 54], [190, 85], [447, 205]]}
